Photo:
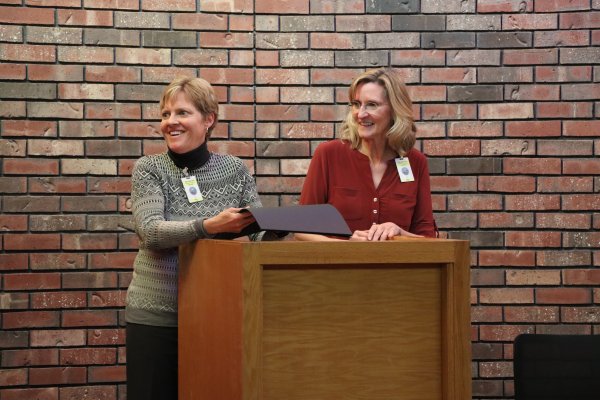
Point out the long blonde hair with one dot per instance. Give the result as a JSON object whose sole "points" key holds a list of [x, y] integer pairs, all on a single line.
{"points": [[401, 136], [201, 94]]}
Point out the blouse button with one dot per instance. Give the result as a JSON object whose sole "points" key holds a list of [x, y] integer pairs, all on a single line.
{"points": [[374, 211], [375, 199]]}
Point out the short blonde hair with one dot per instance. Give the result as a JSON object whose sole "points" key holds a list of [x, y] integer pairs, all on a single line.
{"points": [[201, 94], [401, 136]]}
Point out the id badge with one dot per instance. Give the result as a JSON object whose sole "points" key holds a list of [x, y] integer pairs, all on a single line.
{"points": [[190, 185], [404, 170]]}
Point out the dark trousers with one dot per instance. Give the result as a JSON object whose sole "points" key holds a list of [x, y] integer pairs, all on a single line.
{"points": [[151, 362]]}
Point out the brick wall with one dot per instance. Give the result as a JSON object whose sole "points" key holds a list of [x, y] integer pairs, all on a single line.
{"points": [[507, 96]]}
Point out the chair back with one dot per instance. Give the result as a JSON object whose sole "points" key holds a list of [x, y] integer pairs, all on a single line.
{"points": [[557, 367]]}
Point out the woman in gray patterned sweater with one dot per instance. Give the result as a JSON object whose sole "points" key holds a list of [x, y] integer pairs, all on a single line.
{"points": [[184, 194]]}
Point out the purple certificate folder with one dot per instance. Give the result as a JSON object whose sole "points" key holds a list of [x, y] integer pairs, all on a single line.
{"points": [[323, 219]]}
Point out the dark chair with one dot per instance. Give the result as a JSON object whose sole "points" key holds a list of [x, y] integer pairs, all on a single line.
{"points": [[557, 367]]}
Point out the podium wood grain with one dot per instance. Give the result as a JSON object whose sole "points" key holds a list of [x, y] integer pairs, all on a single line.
{"points": [[297, 320]]}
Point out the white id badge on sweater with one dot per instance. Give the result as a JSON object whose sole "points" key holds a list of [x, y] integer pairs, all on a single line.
{"points": [[190, 185], [404, 170]]}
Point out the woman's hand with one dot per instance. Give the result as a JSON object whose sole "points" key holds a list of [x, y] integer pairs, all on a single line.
{"points": [[381, 232], [228, 220]]}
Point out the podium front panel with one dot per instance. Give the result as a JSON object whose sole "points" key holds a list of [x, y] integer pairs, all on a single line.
{"points": [[316, 321]]}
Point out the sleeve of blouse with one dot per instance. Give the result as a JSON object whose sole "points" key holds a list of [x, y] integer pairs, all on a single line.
{"points": [[148, 204], [422, 221], [315, 188]]}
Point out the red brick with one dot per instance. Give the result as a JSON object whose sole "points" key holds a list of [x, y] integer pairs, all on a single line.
{"points": [[486, 314], [580, 20], [235, 40], [229, 76], [101, 55], [100, 73], [533, 277], [12, 222], [55, 72], [57, 375], [42, 261], [562, 147], [505, 295], [105, 111], [96, 318], [563, 73], [506, 220], [561, 5], [29, 357], [563, 221], [58, 300], [267, 58], [195, 21], [13, 262], [89, 241], [474, 128], [113, 4], [563, 295], [85, 280], [539, 202], [577, 202], [564, 110], [533, 239], [581, 166], [474, 202], [560, 39], [541, 166], [504, 333], [282, 7], [87, 356], [27, 52], [581, 315], [281, 113], [57, 338], [114, 373], [169, 5], [30, 319], [449, 111], [529, 21], [506, 184], [563, 258], [566, 184], [107, 392], [506, 110], [581, 277], [13, 377], [49, 393], [106, 337], [32, 241], [12, 71], [455, 147], [26, 16], [107, 298], [85, 18], [418, 57], [240, 6]]}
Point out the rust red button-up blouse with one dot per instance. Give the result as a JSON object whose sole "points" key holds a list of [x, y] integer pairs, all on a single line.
{"points": [[341, 176]]}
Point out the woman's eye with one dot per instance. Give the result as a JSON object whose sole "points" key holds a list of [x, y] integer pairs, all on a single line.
{"points": [[164, 115]]}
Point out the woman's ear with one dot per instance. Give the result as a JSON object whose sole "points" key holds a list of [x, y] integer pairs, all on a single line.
{"points": [[210, 120]]}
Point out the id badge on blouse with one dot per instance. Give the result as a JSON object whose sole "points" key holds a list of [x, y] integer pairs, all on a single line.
{"points": [[190, 185], [404, 170]]}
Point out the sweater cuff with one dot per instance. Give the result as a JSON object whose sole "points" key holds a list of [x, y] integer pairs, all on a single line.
{"points": [[199, 228]]}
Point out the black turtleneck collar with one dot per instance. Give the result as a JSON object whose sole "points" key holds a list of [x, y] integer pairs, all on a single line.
{"points": [[192, 159]]}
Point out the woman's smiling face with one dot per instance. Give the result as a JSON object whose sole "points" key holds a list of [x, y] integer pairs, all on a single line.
{"points": [[183, 126], [371, 111]]}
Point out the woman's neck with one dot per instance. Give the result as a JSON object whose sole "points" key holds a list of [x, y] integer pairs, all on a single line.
{"points": [[192, 159], [377, 151]]}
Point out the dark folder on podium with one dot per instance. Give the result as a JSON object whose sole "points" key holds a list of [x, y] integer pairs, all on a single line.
{"points": [[323, 219]]}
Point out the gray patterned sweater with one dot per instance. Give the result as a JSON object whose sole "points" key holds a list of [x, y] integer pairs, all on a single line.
{"points": [[165, 219]]}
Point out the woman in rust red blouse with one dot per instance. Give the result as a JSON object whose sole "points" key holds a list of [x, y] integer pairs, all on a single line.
{"points": [[373, 175]]}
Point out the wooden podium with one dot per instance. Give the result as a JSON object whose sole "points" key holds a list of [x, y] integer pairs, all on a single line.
{"points": [[324, 321]]}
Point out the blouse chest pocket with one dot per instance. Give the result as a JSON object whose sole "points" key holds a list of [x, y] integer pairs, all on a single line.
{"points": [[348, 202]]}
